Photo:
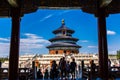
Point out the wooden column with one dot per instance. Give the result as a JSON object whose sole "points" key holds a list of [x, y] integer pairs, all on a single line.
{"points": [[82, 65], [102, 37], [14, 45], [0, 64]]}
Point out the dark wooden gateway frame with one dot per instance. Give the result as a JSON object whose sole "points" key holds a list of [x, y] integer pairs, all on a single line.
{"points": [[17, 8]]}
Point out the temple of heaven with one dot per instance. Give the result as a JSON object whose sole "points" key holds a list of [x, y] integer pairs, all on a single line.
{"points": [[63, 42]]}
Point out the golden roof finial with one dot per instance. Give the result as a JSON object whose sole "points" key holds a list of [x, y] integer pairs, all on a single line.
{"points": [[63, 21]]}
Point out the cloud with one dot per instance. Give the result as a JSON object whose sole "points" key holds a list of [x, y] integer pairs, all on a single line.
{"points": [[84, 41], [31, 43], [33, 39], [109, 32], [4, 49], [56, 14], [4, 46], [64, 12], [112, 52], [92, 47], [29, 35], [46, 17], [4, 39]]}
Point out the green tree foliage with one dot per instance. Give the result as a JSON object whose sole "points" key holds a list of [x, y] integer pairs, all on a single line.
{"points": [[3, 59], [118, 54]]}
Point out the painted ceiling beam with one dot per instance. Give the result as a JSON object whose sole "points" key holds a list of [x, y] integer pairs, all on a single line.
{"points": [[105, 3], [13, 3]]}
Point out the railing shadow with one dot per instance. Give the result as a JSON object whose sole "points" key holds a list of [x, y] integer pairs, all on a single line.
{"points": [[114, 72], [24, 73]]}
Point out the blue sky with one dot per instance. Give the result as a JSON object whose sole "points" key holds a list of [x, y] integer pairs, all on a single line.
{"points": [[37, 27]]}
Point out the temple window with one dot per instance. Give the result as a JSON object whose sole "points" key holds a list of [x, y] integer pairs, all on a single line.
{"points": [[64, 51], [64, 33], [72, 51], [56, 52]]}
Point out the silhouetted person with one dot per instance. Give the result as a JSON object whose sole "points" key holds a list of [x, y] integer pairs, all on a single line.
{"points": [[39, 74], [67, 69], [73, 66], [109, 64], [111, 77], [53, 72], [59, 67], [46, 74], [0, 64], [63, 67], [93, 66], [79, 68]]}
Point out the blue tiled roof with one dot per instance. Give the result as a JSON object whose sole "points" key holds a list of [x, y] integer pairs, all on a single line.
{"points": [[63, 37], [63, 27], [62, 44]]}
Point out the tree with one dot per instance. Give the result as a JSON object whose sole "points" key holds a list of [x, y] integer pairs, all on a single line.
{"points": [[118, 56], [3, 59]]}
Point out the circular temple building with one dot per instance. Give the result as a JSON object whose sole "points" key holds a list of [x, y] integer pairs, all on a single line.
{"points": [[63, 42]]}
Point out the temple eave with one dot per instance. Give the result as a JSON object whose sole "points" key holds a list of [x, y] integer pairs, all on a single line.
{"points": [[62, 38], [56, 31], [53, 46]]}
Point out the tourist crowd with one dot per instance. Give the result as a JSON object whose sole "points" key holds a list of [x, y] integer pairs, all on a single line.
{"points": [[64, 69]]}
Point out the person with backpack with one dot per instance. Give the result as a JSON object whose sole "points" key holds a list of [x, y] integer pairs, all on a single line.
{"points": [[73, 66]]}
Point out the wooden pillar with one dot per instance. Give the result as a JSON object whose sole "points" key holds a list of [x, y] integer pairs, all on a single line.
{"points": [[82, 65], [0, 64], [0, 73], [34, 71], [14, 44], [102, 43]]}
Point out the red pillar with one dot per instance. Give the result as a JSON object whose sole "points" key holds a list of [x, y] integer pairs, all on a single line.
{"points": [[102, 37], [14, 45]]}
